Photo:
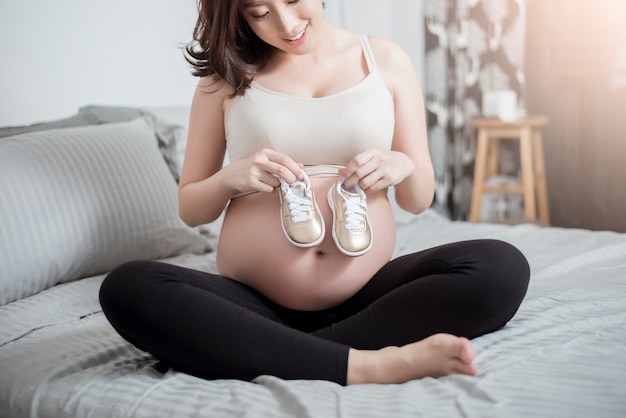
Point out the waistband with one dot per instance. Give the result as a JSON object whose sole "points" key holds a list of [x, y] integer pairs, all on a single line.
{"points": [[322, 170]]}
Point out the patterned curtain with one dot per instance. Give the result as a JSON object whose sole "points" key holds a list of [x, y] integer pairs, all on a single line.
{"points": [[472, 46]]}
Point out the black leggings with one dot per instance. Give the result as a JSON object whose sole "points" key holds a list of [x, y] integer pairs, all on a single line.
{"points": [[214, 327]]}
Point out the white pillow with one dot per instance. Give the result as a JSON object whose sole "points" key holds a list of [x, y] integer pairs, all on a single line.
{"points": [[79, 201]]}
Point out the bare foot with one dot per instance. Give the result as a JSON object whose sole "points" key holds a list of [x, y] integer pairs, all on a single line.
{"points": [[436, 356]]}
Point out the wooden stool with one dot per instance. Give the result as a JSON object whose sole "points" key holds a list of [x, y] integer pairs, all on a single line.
{"points": [[533, 183]]}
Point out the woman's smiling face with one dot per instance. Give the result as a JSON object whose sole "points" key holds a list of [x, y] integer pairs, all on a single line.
{"points": [[288, 25]]}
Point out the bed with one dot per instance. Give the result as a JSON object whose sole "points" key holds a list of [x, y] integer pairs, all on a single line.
{"points": [[80, 195]]}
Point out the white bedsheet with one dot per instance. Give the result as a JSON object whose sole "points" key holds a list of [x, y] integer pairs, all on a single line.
{"points": [[562, 355]]}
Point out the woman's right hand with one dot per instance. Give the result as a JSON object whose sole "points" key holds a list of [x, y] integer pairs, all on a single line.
{"points": [[260, 172]]}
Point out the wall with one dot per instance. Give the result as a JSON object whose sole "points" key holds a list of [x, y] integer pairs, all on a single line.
{"points": [[576, 75], [63, 54], [399, 20]]}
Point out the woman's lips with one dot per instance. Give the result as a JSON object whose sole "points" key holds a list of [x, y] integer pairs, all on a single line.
{"points": [[299, 38]]}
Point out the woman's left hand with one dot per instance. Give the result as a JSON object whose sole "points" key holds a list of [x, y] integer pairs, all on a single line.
{"points": [[375, 169]]}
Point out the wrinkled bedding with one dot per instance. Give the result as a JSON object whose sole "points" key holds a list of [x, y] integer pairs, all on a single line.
{"points": [[563, 354]]}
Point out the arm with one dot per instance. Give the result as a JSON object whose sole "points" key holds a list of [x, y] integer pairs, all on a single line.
{"points": [[201, 196], [415, 194], [408, 165], [205, 186]]}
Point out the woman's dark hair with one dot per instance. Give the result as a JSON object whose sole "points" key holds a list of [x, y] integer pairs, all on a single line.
{"points": [[225, 45]]}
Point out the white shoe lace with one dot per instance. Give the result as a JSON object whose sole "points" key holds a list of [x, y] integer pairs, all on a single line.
{"points": [[354, 207], [299, 199]]}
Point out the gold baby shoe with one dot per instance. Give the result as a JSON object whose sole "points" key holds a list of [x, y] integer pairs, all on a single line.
{"points": [[352, 231], [299, 214]]}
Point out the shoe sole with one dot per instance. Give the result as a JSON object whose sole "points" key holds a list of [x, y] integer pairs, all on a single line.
{"points": [[331, 203]]}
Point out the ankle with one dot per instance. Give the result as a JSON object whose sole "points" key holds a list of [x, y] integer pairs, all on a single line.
{"points": [[360, 363], [371, 366]]}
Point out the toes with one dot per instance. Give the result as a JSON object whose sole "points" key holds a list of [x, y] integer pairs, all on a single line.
{"points": [[457, 347], [466, 357], [465, 368], [467, 352]]}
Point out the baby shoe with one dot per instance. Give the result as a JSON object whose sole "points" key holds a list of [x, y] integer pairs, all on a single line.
{"points": [[299, 214], [352, 231]]}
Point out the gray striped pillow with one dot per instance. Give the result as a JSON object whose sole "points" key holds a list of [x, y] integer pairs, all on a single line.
{"points": [[77, 202]]}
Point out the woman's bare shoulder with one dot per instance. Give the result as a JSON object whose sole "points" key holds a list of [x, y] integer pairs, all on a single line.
{"points": [[394, 63], [390, 55], [214, 85]]}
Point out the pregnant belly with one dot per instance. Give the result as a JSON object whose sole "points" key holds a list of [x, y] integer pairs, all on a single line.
{"points": [[253, 249]]}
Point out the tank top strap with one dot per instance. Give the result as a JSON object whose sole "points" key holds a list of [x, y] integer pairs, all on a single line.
{"points": [[367, 51]]}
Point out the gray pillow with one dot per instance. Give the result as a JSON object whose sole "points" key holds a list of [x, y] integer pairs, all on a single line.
{"points": [[99, 114], [168, 123], [79, 201], [170, 127], [87, 115], [70, 122]]}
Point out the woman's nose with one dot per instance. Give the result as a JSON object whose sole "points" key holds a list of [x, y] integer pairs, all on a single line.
{"points": [[286, 23]]}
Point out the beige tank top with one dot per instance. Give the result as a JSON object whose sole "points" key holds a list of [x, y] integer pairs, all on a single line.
{"points": [[321, 133]]}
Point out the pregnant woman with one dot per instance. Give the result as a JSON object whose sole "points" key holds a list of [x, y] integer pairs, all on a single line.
{"points": [[318, 122]]}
